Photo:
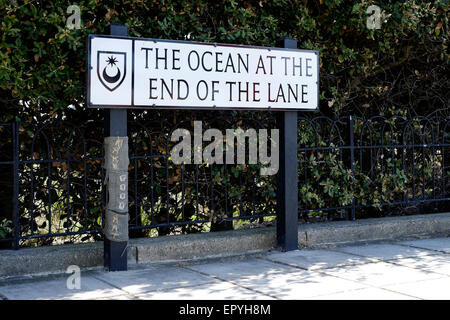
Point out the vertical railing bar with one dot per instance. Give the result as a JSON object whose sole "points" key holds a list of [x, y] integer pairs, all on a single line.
{"points": [[352, 164], [361, 167], [16, 146], [443, 163], [413, 168], [212, 210], [102, 185], [372, 162], [241, 206], [68, 182], [423, 166], [405, 194], [197, 192], [135, 185], [85, 170], [315, 153], [152, 187], [32, 184], [253, 196], [167, 185], [174, 195], [226, 189], [393, 143], [383, 147], [49, 184], [32, 189], [182, 191], [433, 161]]}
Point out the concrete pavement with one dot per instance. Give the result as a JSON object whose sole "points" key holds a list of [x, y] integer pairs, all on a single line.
{"points": [[416, 269]]}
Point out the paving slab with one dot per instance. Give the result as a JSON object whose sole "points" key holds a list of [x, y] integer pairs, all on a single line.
{"points": [[317, 259], [299, 285], [91, 288], [152, 279], [381, 274], [253, 268], [212, 291], [366, 294], [385, 251], [278, 281], [436, 289], [436, 263], [439, 244]]}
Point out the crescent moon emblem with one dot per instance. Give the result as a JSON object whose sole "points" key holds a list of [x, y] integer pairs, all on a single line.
{"points": [[111, 79]]}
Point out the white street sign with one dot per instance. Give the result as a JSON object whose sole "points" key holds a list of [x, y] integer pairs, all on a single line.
{"points": [[150, 73]]}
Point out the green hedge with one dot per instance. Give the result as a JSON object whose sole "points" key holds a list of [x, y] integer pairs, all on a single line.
{"points": [[401, 68]]}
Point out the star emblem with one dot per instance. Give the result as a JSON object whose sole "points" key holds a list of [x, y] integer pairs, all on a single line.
{"points": [[112, 61]]}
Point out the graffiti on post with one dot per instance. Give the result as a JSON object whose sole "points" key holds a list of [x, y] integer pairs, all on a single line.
{"points": [[116, 165]]}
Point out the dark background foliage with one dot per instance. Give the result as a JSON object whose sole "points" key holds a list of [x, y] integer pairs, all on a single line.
{"points": [[400, 68]]}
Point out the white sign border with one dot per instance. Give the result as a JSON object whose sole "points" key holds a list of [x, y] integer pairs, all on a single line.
{"points": [[214, 44]]}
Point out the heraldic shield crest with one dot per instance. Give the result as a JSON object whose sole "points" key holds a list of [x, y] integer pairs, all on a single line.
{"points": [[111, 68]]}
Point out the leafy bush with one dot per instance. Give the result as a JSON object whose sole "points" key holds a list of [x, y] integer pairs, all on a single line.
{"points": [[400, 68], [5, 228]]}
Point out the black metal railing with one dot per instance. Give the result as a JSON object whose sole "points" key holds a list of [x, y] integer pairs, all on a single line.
{"points": [[181, 198], [52, 177], [398, 164]]}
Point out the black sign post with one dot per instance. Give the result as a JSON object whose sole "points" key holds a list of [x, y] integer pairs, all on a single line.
{"points": [[115, 252], [287, 177]]}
